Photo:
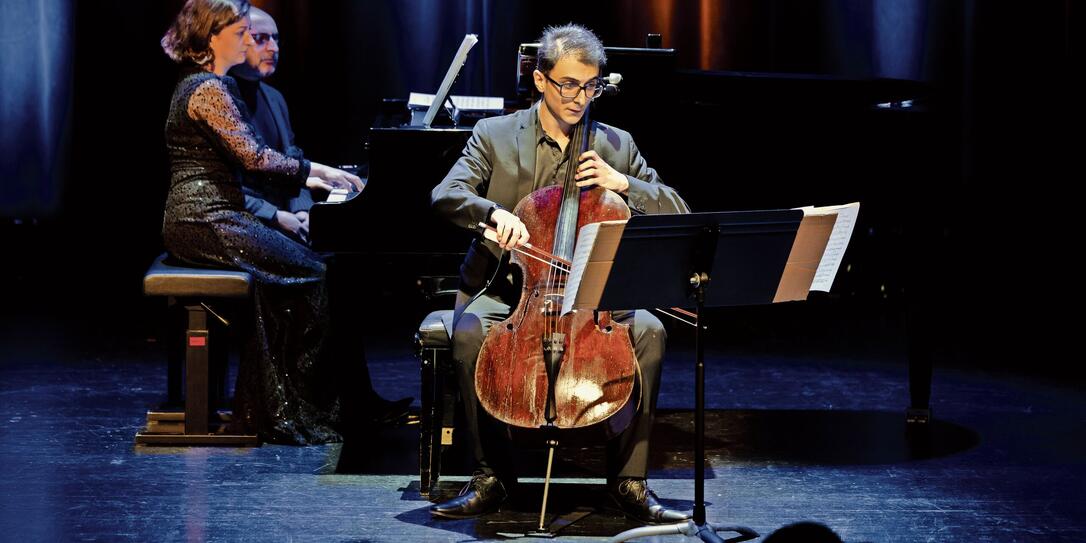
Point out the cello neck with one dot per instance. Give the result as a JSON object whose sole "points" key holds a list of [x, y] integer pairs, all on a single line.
{"points": [[565, 233]]}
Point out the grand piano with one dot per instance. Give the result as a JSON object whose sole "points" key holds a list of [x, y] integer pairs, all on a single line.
{"points": [[387, 232]]}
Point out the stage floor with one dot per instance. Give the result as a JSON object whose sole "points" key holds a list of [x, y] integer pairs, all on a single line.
{"points": [[794, 435]]}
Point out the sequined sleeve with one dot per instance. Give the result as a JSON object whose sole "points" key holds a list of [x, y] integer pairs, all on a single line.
{"points": [[212, 105]]}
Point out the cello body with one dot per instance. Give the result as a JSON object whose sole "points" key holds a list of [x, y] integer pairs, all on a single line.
{"points": [[597, 386]]}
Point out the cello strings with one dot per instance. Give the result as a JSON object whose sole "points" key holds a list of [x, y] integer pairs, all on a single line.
{"points": [[570, 191]]}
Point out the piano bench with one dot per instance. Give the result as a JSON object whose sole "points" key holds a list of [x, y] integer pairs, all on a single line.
{"points": [[199, 423], [433, 345]]}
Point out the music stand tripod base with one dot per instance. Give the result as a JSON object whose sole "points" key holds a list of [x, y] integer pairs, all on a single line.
{"points": [[698, 526], [705, 532]]}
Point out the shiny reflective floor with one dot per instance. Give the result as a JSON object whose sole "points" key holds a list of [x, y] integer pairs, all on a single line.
{"points": [[795, 434]]}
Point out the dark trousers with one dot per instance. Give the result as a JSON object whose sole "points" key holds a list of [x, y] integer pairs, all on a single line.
{"points": [[627, 454]]}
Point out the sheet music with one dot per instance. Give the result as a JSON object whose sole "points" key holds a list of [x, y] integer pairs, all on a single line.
{"points": [[835, 248], [585, 239], [419, 100], [808, 248], [593, 256], [450, 76]]}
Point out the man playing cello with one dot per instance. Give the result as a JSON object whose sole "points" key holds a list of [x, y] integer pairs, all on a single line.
{"points": [[507, 158]]}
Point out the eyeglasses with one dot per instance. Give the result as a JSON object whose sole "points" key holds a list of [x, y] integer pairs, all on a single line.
{"points": [[592, 89], [262, 37]]}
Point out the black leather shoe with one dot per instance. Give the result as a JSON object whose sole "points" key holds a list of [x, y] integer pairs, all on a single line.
{"points": [[482, 495], [638, 502]]}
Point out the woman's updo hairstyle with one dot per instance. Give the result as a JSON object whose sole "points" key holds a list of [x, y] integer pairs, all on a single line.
{"points": [[189, 37]]}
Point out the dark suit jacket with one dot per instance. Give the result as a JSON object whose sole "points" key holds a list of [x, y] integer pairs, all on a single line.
{"points": [[498, 168], [264, 199]]}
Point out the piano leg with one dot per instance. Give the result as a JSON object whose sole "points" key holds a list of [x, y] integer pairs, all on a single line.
{"points": [[918, 332], [919, 411]]}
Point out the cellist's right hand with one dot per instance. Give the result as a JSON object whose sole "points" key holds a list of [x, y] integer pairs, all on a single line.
{"points": [[511, 232]]}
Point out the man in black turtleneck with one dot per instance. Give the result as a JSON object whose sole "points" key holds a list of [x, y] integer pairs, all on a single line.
{"points": [[288, 211], [285, 209]]}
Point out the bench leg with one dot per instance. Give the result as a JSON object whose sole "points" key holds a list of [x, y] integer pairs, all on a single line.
{"points": [[175, 321], [204, 386], [196, 371], [219, 365]]}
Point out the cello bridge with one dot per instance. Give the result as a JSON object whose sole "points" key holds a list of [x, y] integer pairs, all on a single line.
{"points": [[552, 305]]}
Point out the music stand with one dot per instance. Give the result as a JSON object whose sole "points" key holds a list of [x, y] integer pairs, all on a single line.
{"points": [[743, 254], [443, 91]]}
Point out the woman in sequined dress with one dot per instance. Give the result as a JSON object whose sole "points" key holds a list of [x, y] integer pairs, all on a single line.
{"points": [[283, 392]]}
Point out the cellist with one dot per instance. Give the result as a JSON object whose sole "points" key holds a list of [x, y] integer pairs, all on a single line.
{"points": [[507, 158]]}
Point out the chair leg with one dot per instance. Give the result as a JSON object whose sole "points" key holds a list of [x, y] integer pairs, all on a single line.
{"points": [[429, 419], [448, 393]]}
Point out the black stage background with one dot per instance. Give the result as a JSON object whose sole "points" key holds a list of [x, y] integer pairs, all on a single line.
{"points": [[963, 193]]}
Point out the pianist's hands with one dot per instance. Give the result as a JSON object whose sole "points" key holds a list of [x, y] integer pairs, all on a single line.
{"points": [[511, 231], [294, 224], [328, 178], [594, 171]]}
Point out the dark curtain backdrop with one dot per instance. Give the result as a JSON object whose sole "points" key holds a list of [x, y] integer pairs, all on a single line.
{"points": [[340, 58], [84, 90], [35, 104]]}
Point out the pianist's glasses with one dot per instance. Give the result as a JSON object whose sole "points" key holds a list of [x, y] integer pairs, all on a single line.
{"points": [[592, 89], [262, 37]]}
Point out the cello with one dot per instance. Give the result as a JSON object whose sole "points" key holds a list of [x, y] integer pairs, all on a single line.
{"points": [[539, 371]]}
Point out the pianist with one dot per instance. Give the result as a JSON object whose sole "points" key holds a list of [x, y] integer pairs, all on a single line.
{"points": [[281, 392], [481, 186], [287, 209]]}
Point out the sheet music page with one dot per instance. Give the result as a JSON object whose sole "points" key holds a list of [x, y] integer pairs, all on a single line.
{"points": [[593, 256], [450, 76], [585, 240], [808, 248], [835, 248], [478, 103], [420, 100]]}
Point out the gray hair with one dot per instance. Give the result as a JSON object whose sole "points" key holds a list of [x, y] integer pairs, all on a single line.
{"points": [[189, 37], [567, 40]]}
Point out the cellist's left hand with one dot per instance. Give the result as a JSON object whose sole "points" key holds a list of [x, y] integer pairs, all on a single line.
{"points": [[594, 171]]}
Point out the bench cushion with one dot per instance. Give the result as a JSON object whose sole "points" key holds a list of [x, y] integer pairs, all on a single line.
{"points": [[165, 278], [436, 329]]}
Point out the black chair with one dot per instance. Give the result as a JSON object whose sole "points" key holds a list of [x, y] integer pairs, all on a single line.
{"points": [[205, 355], [433, 344]]}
